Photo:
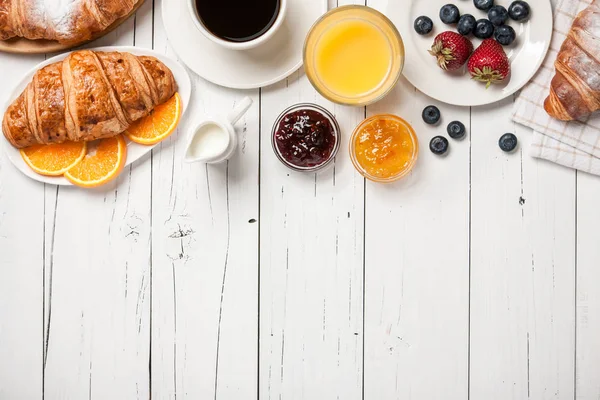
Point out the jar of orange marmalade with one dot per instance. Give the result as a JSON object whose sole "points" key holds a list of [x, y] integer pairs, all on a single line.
{"points": [[384, 148]]}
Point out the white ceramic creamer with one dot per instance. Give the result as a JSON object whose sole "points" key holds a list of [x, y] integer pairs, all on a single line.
{"points": [[214, 140]]}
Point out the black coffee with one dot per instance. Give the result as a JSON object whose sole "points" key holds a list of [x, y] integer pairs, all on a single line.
{"points": [[238, 20]]}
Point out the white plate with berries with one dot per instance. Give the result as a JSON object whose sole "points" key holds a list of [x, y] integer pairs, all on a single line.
{"points": [[472, 52]]}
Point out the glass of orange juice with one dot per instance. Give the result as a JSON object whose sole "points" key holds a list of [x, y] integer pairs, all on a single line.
{"points": [[353, 55], [384, 148]]}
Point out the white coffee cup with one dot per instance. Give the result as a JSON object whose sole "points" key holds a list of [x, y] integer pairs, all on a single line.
{"points": [[239, 45]]}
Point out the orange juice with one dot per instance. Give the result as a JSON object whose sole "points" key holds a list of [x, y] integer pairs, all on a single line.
{"points": [[353, 58], [354, 55], [384, 148]]}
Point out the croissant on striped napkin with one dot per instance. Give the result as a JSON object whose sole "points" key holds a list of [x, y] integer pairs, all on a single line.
{"points": [[575, 89]]}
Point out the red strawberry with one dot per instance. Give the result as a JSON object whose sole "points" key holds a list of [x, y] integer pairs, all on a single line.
{"points": [[489, 63], [451, 50]]}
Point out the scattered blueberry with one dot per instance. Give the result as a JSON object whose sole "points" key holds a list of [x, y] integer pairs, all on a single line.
{"points": [[519, 10], [508, 142], [484, 29], [431, 115], [498, 15], [505, 35], [483, 4], [438, 145], [456, 130], [423, 25], [449, 14], [466, 24]]}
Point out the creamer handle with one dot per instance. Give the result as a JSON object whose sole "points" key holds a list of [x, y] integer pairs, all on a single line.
{"points": [[238, 112]]}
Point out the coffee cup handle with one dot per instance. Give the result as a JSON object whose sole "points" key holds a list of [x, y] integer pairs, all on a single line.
{"points": [[240, 110]]}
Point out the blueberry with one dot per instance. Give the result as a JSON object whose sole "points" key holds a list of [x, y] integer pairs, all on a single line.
{"points": [[519, 11], [438, 145], [484, 29], [423, 25], [508, 142], [483, 4], [466, 24], [505, 35], [449, 14], [498, 15], [456, 130], [431, 115]]}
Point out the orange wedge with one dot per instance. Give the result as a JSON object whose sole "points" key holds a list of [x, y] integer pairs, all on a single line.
{"points": [[103, 163], [158, 125], [54, 159]]}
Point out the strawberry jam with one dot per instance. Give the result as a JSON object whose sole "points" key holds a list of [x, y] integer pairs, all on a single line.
{"points": [[306, 137]]}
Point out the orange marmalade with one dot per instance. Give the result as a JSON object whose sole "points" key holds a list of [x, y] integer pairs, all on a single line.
{"points": [[384, 148]]}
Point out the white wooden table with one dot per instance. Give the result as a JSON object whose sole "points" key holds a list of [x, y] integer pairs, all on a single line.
{"points": [[477, 277]]}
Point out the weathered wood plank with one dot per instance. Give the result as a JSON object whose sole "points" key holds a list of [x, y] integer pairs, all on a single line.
{"points": [[311, 264], [205, 257], [523, 267], [21, 264], [588, 291], [417, 265], [97, 320]]}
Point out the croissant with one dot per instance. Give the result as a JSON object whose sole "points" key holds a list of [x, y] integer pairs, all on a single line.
{"points": [[87, 96], [575, 89], [67, 21]]}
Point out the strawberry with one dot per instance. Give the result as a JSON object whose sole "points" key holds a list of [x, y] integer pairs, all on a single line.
{"points": [[451, 50], [489, 63]]}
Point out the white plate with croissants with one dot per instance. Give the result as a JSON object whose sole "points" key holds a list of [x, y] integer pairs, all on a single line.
{"points": [[525, 43], [88, 95]]}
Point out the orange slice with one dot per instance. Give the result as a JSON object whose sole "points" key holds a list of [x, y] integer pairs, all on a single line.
{"points": [[158, 125], [54, 159], [102, 164]]}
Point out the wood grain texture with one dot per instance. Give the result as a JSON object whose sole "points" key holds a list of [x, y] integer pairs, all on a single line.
{"points": [[588, 293], [523, 267], [205, 267], [205, 258], [417, 266], [97, 325], [311, 264], [22, 262]]}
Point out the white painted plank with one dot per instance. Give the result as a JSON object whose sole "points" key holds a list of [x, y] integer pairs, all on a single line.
{"points": [[523, 255], [588, 291], [21, 265], [97, 325], [205, 266], [205, 258], [311, 263], [417, 265]]}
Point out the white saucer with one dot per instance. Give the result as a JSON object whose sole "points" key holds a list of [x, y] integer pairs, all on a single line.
{"points": [[526, 54], [262, 66]]}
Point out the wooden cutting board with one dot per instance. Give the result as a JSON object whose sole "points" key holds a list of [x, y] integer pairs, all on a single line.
{"points": [[27, 46]]}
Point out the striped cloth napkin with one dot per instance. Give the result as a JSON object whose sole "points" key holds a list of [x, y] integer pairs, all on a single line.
{"points": [[572, 144]]}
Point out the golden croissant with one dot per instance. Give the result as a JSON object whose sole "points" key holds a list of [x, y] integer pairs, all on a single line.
{"points": [[575, 89], [87, 96], [67, 21]]}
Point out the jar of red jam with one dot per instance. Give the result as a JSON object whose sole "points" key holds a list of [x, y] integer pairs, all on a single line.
{"points": [[306, 137]]}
